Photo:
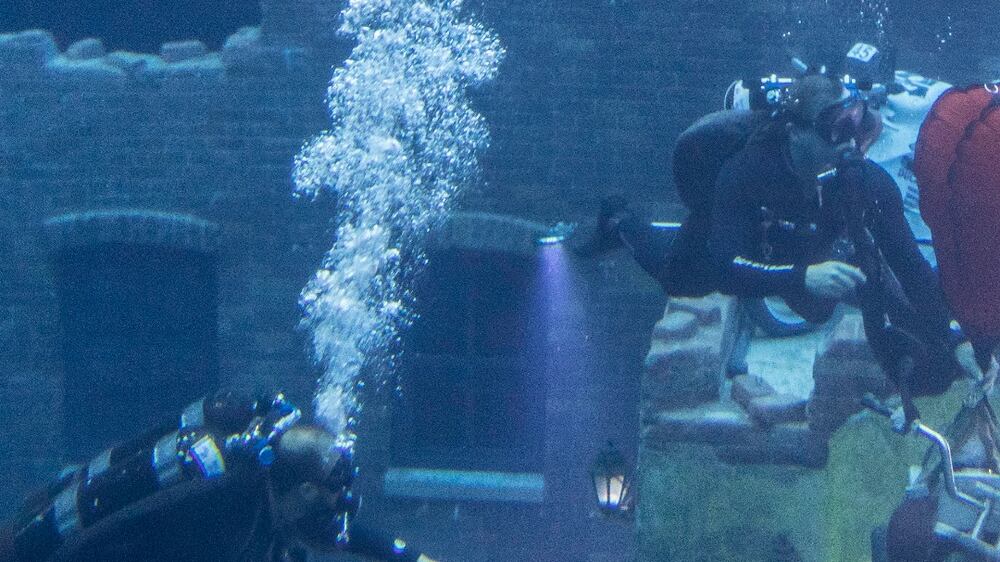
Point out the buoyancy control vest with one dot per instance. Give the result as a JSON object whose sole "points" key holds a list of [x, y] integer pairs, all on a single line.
{"points": [[955, 164]]}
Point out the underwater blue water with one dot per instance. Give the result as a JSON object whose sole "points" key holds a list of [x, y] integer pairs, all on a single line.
{"points": [[376, 206]]}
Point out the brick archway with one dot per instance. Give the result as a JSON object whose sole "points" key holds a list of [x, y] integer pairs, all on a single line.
{"points": [[131, 226], [138, 300]]}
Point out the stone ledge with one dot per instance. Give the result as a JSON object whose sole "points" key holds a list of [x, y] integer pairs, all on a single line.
{"points": [[776, 409], [715, 424], [746, 388], [736, 437], [707, 309], [178, 51], [676, 325], [36, 51], [132, 227], [489, 232], [791, 443]]}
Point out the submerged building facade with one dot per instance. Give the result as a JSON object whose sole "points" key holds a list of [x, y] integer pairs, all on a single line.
{"points": [[152, 251]]}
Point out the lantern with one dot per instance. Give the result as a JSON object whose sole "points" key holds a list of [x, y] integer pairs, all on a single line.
{"points": [[612, 482]]}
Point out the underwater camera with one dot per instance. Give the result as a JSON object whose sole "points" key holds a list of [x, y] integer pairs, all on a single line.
{"points": [[863, 70]]}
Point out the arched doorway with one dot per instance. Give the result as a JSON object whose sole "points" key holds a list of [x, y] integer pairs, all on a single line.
{"points": [[137, 296]]}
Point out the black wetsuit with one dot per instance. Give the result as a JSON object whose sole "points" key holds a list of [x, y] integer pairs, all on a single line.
{"points": [[767, 226], [221, 520], [176, 494]]}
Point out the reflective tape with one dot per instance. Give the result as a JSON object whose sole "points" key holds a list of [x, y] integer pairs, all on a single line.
{"points": [[743, 262], [208, 457]]}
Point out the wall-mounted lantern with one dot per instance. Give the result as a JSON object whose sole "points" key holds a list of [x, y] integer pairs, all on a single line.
{"points": [[612, 482]]}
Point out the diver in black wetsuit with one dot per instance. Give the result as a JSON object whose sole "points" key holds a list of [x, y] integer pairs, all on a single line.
{"points": [[239, 480], [798, 212]]}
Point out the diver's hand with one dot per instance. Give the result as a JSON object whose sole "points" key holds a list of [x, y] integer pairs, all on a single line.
{"points": [[900, 422], [833, 279], [965, 356], [982, 383]]}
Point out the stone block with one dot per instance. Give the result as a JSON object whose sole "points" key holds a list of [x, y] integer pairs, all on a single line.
{"points": [[208, 66], [715, 424], [708, 309], [777, 408], [133, 63], [791, 443], [746, 388], [86, 49], [27, 49], [243, 48], [177, 51], [846, 340], [683, 375], [84, 69], [844, 371], [684, 366], [676, 325], [826, 413]]}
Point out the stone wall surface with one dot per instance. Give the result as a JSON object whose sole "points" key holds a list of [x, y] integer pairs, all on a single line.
{"points": [[688, 399], [750, 472]]}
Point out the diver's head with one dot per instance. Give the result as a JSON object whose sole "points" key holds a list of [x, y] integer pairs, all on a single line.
{"points": [[826, 121], [813, 94], [310, 482]]}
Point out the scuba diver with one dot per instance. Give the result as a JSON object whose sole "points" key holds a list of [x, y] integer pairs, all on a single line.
{"points": [[238, 480], [784, 203]]}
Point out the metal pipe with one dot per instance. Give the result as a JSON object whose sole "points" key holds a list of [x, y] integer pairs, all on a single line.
{"points": [[947, 465], [967, 543]]}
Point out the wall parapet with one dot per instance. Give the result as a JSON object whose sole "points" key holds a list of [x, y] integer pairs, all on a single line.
{"points": [[34, 54]]}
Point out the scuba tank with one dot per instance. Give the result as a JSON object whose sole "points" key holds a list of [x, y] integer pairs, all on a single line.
{"points": [[215, 436]]}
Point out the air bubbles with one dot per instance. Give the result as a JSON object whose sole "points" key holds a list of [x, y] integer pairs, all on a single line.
{"points": [[404, 142], [946, 33]]}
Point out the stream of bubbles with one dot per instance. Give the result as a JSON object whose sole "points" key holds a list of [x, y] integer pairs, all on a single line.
{"points": [[403, 143]]}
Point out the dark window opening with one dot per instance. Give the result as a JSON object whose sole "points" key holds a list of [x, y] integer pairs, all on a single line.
{"points": [[473, 390], [132, 25], [139, 339]]}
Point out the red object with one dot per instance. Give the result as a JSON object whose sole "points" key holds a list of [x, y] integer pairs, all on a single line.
{"points": [[957, 165]]}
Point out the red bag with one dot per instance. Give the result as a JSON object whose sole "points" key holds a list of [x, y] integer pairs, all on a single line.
{"points": [[957, 166]]}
